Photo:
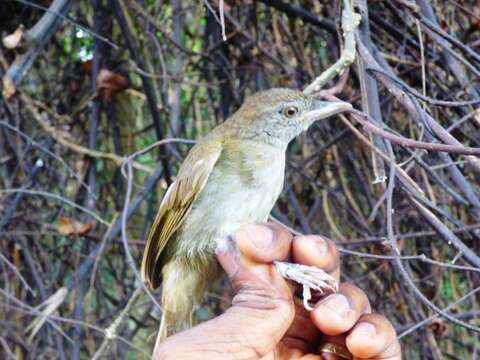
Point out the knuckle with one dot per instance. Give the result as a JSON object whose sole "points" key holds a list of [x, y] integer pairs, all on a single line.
{"points": [[257, 298]]}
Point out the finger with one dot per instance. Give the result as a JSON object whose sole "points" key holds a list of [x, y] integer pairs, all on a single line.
{"points": [[302, 334], [339, 312], [285, 352], [374, 337], [264, 242], [254, 248], [338, 341], [262, 308], [315, 250]]}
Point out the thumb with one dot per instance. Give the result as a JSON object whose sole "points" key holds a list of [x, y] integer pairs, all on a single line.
{"points": [[262, 308]]}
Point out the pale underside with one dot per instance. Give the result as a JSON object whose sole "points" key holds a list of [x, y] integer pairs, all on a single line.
{"points": [[212, 196], [232, 196]]}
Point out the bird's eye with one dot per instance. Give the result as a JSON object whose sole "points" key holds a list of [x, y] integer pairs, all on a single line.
{"points": [[290, 111]]}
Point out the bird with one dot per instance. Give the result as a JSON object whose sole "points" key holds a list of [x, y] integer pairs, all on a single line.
{"points": [[231, 177]]}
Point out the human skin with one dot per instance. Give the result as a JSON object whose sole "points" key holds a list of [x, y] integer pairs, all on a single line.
{"points": [[264, 321]]}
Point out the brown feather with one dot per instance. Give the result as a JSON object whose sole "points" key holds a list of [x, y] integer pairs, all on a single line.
{"points": [[175, 205]]}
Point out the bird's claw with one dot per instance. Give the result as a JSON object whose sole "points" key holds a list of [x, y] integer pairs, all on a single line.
{"points": [[310, 277]]}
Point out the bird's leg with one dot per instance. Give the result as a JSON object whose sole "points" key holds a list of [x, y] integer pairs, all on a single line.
{"points": [[310, 277]]}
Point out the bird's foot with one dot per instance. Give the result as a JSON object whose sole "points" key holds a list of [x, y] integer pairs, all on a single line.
{"points": [[310, 277]]}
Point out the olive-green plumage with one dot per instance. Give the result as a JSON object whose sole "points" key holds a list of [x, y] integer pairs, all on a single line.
{"points": [[233, 176]]}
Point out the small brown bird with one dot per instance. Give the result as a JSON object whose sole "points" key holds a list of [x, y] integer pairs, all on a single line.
{"points": [[231, 177]]}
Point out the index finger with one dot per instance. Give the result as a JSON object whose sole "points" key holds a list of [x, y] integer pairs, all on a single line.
{"points": [[319, 251]]}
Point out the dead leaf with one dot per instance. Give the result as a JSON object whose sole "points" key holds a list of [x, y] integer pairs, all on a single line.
{"points": [[476, 15], [87, 66], [109, 83], [438, 327], [443, 25], [69, 226], [8, 88], [80, 166], [13, 40], [46, 309], [63, 132]]}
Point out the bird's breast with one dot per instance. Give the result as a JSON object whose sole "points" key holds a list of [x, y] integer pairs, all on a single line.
{"points": [[242, 188]]}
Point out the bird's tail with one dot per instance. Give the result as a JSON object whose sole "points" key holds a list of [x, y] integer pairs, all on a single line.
{"points": [[183, 288]]}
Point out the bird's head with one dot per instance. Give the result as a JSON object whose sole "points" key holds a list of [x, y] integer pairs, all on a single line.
{"points": [[277, 116]]}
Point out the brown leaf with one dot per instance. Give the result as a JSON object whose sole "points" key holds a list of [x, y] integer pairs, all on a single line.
{"points": [[443, 25], [8, 88], [63, 132], [13, 40], [69, 226], [476, 15], [438, 327], [109, 83], [87, 66]]}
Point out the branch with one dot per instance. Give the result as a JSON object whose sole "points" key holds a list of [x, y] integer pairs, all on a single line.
{"points": [[350, 21], [113, 329], [306, 16], [148, 87], [37, 37], [412, 105], [369, 92], [453, 149], [118, 160]]}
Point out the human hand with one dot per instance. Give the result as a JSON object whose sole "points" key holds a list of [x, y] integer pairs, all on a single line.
{"points": [[264, 321]]}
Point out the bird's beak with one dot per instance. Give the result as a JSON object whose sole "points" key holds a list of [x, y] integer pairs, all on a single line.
{"points": [[324, 109]]}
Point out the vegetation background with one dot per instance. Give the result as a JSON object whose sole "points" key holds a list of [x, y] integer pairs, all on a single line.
{"points": [[88, 83]]}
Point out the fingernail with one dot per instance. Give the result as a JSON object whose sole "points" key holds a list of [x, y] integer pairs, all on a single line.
{"points": [[322, 245], [337, 303], [260, 236], [365, 329]]}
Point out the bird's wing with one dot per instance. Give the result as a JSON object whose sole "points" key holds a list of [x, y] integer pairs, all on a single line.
{"points": [[176, 204]]}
